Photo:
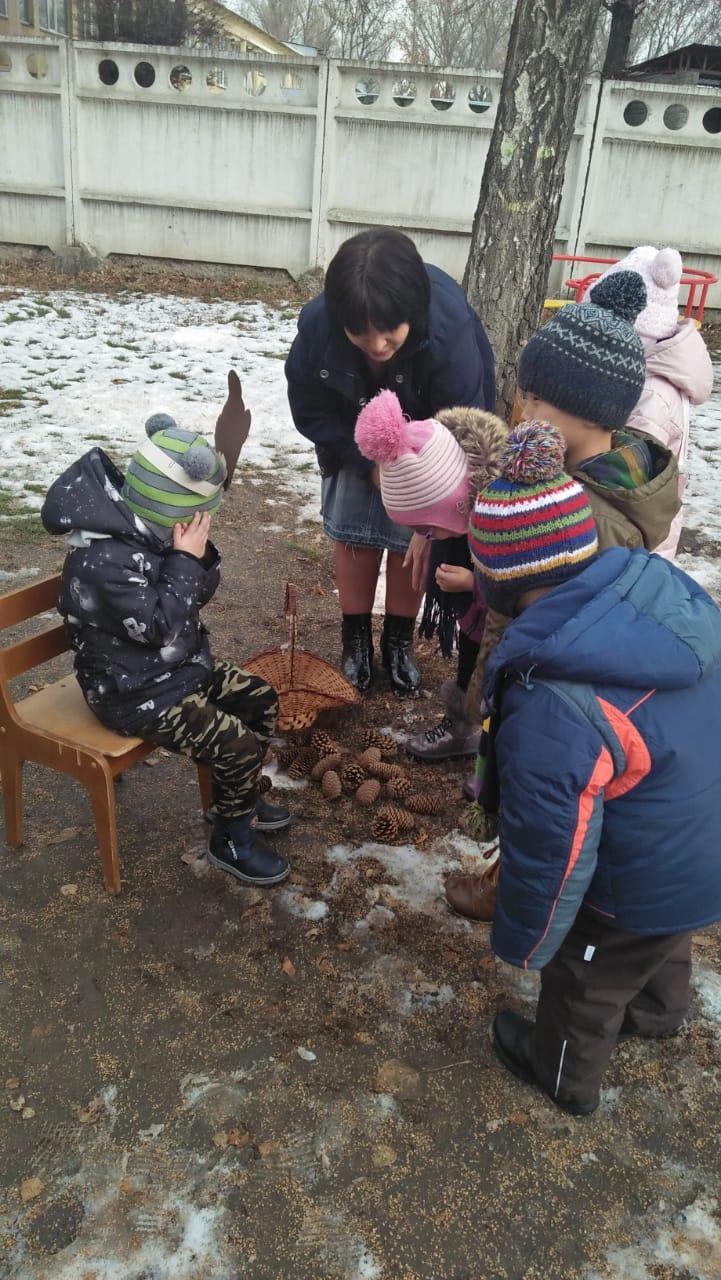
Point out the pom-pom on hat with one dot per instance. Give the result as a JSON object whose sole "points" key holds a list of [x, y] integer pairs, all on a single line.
{"points": [[532, 526], [172, 475], [589, 361], [661, 271], [424, 474]]}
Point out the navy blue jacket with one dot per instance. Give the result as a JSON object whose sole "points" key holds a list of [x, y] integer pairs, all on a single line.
{"points": [[329, 381], [131, 604], [608, 696]]}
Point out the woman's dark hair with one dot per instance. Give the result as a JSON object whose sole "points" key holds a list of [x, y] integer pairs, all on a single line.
{"points": [[377, 279]]}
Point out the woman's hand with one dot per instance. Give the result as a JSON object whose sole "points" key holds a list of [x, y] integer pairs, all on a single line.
{"points": [[192, 538], [453, 578], [416, 559]]}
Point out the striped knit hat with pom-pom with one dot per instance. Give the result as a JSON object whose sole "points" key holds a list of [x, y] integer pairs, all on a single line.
{"points": [[172, 475], [424, 474], [532, 526]]}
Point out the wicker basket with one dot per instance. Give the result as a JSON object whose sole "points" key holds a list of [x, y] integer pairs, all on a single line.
{"points": [[305, 683]]}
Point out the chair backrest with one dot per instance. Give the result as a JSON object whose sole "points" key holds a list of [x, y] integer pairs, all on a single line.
{"points": [[22, 655]]}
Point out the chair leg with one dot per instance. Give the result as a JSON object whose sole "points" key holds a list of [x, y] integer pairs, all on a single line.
{"points": [[102, 794], [12, 785], [205, 782]]}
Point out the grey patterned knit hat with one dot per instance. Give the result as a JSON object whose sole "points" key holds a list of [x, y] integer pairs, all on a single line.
{"points": [[173, 475], [589, 361]]}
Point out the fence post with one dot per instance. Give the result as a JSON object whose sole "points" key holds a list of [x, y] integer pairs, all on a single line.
{"points": [[318, 162], [589, 169], [68, 117], [328, 158]]}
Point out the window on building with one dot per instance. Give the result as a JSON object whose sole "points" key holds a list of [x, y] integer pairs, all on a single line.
{"points": [[3, 8], [25, 9], [53, 16]]}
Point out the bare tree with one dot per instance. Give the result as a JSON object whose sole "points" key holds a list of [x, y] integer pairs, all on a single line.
{"points": [[461, 33], [515, 222], [359, 28], [624, 14], [671, 24], [340, 28], [436, 32]]}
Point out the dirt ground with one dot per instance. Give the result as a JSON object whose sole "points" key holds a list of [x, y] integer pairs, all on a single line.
{"points": [[203, 1081]]}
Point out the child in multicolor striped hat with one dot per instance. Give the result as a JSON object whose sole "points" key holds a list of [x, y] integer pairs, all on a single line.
{"points": [[139, 569]]}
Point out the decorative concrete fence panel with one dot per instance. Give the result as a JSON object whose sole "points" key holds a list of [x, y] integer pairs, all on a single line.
{"points": [[272, 162]]}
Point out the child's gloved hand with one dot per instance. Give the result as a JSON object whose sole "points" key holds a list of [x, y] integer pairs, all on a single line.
{"points": [[192, 538], [453, 577]]}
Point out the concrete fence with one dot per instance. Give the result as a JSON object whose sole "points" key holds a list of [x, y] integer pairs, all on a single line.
{"points": [[272, 162]]}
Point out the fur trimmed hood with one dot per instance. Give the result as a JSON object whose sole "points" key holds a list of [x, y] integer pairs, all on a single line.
{"points": [[481, 436]]}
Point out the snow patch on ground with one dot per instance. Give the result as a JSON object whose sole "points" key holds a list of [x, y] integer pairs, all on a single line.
{"points": [[691, 1241], [88, 369], [707, 985]]}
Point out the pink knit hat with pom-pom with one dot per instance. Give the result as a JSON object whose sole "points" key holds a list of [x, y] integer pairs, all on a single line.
{"points": [[661, 271], [424, 474]]}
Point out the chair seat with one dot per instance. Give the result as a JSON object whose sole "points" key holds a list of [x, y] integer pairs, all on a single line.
{"points": [[61, 711]]}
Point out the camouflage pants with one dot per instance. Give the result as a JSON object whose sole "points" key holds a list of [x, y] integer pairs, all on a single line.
{"points": [[226, 727]]}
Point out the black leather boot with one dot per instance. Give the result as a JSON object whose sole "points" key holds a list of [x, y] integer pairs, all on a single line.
{"points": [[357, 658], [397, 651]]}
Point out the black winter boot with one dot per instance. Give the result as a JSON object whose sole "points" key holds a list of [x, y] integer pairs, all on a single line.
{"points": [[236, 847], [357, 657], [397, 651]]}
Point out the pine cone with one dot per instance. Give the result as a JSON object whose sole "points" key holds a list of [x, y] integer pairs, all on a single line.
{"points": [[370, 756], [352, 777], [323, 765], [368, 792], [301, 766], [400, 788], [330, 785], [264, 784], [424, 802], [285, 757], [385, 771], [323, 744], [384, 742], [391, 824]]}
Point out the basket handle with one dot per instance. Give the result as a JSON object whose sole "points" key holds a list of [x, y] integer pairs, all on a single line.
{"points": [[291, 613]]}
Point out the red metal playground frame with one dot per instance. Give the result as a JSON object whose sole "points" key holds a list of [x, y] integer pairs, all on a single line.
{"points": [[696, 280]]}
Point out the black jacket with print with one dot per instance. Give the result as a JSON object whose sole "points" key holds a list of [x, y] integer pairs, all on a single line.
{"points": [[131, 604]]}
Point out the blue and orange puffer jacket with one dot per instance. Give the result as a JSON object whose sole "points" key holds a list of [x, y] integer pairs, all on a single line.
{"points": [[608, 705]]}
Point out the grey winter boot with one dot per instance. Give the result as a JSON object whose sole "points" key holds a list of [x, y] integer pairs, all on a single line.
{"points": [[453, 736]]}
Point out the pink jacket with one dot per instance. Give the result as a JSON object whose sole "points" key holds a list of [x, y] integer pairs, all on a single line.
{"points": [[679, 374]]}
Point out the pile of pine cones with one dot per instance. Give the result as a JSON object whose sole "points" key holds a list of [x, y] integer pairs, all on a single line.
{"points": [[363, 776]]}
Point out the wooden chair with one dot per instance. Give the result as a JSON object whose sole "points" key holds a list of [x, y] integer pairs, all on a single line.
{"points": [[56, 727]]}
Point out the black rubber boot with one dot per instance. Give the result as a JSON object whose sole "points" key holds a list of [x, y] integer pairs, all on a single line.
{"points": [[357, 658], [513, 1042], [397, 651], [236, 847]]}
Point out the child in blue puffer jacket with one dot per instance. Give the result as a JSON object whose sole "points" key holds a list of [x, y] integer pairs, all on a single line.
{"points": [[605, 698]]}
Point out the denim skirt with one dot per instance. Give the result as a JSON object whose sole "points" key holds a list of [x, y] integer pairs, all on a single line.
{"points": [[353, 513]]}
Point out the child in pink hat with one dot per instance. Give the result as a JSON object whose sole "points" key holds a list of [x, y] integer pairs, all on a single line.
{"points": [[678, 366], [424, 474]]}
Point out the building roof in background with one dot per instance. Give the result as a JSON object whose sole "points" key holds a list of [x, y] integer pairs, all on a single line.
{"points": [[691, 57]]}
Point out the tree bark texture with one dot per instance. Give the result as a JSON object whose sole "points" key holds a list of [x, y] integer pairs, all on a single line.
{"points": [[515, 222]]}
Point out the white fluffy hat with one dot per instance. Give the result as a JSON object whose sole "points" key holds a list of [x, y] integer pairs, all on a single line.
{"points": [[661, 271]]}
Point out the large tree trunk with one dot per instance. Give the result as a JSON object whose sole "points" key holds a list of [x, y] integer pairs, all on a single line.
{"points": [[515, 222], [623, 15]]}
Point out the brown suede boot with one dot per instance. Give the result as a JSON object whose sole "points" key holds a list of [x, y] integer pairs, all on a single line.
{"points": [[474, 896]]}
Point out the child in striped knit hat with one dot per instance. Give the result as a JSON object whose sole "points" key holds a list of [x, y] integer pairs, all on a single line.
{"points": [[604, 698], [139, 569]]}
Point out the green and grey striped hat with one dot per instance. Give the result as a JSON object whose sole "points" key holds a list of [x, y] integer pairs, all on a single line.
{"points": [[173, 475]]}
